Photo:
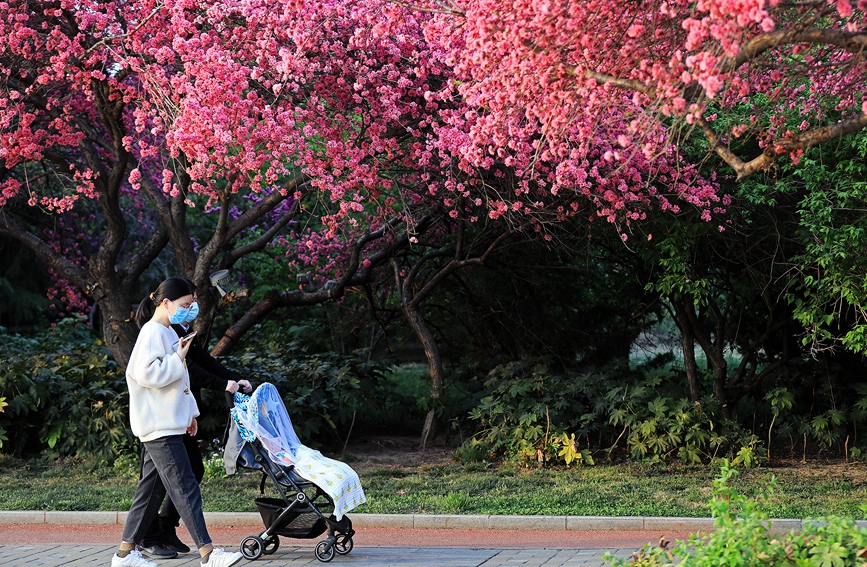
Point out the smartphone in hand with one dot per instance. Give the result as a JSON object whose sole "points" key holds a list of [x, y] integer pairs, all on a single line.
{"points": [[185, 339]]}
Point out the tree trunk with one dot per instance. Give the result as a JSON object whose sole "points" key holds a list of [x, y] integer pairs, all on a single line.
{"points": [[435, 364], [712, 346], [118, 327], [720, 375], [717, 360], [687, 344]]}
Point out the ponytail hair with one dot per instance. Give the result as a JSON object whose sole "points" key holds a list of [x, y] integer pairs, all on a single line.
{"points": [[171, 289]]}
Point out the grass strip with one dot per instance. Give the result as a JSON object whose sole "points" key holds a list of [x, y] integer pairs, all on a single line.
{"points": [[602, 490]]}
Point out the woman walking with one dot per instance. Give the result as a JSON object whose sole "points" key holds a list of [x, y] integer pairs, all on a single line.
{"points": [[162, 409]]}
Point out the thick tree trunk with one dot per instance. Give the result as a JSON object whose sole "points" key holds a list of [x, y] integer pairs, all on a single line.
{"points": [[99, 281], [118, 327], [435, 364]]}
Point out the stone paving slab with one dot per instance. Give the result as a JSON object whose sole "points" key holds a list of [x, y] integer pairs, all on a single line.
{"points": [[81, 555], [56, 555]]}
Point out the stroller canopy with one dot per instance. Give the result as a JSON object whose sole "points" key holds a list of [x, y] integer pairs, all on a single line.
{"points": [[263, 416]]}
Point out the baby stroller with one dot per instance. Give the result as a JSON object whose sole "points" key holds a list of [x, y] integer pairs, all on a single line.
{"points": [[315, 491]]}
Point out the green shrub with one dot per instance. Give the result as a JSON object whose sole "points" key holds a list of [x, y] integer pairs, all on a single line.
{"points": [[127, 465], [403, 398], [65, 394], [214, 466], [3, 437], [532, 414], [743, 536], [658, 428], [324, 392]]}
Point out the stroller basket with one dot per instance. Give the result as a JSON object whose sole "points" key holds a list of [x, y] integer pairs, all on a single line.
{"points": [[304, 525]]}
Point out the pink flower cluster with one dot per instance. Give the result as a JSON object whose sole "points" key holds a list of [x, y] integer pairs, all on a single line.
{"points": [[528, 112], [559, 82]]}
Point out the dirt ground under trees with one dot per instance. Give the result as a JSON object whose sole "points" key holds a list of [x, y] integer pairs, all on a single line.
{"points": [[379, 451], [371, 452]]}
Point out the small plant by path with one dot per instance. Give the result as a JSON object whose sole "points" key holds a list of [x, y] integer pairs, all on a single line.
{"points": [[743, 536]]}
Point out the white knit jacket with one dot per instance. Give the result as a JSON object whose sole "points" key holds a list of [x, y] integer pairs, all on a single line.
{"points": [[160, 401]]}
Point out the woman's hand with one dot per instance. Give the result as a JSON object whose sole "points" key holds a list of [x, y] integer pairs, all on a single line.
{"points": [[232, 386], [193, 428], [184, 348], [245, 385]]}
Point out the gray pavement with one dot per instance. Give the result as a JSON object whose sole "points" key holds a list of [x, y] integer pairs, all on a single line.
{"points": [[99, 554]]}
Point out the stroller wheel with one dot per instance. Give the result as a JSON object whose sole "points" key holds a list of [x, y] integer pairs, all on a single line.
{"points": [[271, 545], [324, 551], [252, 547], [343, 545]]}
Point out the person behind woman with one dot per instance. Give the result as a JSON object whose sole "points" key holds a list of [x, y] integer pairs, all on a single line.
{"points": [[162, 409]]}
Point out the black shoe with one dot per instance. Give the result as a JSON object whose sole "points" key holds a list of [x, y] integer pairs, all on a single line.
{"points": [[157, 551], [171, 541]]}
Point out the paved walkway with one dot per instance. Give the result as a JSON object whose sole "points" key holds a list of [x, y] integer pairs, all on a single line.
{"points": [[55, 539], [81, 555]]}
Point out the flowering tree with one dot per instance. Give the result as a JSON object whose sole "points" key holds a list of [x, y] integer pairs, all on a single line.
{"points": [[643, 75], [135, 129], [123, 120], [138, 114]]}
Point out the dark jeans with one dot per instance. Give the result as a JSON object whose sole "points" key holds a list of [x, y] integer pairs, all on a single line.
{"points": [[169, 515], [166, 468]]}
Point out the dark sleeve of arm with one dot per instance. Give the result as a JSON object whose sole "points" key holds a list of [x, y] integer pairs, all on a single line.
{"points": [[205, 371]]}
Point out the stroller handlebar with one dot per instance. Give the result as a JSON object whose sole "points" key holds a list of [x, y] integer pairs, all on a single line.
{"points": [[230, 397]]}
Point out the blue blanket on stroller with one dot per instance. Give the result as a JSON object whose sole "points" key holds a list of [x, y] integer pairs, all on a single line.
{"points": [[263, 416]]}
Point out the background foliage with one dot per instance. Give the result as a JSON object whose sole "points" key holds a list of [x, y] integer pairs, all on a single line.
{"points": [[690, 344]]}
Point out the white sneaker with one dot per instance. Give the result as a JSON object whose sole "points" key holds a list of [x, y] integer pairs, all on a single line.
{"points": [[134, 559], [220, 558]]}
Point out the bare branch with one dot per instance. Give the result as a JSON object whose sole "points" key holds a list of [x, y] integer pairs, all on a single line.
{"points": [[853, 42], [455, 265], [274, 300], [255, 212], [453, 10], [139, 262], [825, 134], [67, 269], [263, 240], [802, 141]]}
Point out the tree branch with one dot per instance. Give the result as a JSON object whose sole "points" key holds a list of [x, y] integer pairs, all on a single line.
{"points": [[453, 266], [853, 42], [67, 269], [802, 141], [274, 300], [260, 243], [270, 201], [144, 257]]}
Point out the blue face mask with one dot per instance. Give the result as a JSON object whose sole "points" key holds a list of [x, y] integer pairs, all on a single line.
{"points": [[180, 315], [194, 312]]}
